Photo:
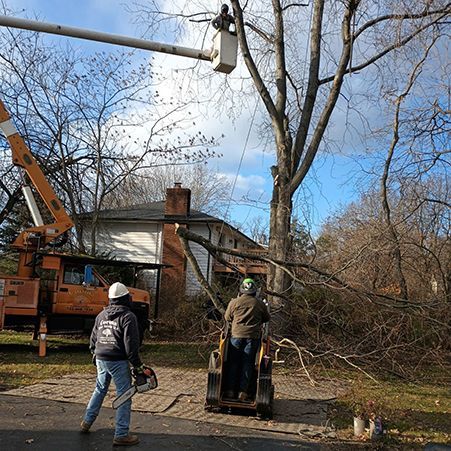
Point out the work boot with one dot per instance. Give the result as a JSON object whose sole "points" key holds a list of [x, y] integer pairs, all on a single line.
{"points": [[84, 426], [127, 440], [243, 396]]}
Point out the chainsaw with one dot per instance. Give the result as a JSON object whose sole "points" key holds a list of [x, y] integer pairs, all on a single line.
{"points": [[144, 381]]}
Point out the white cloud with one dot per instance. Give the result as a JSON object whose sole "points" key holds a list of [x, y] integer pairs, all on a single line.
{"points": [[245, 183]]}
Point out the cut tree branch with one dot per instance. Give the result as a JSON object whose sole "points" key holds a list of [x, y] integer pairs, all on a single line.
{"points": [[186, 235], [197, 271]]}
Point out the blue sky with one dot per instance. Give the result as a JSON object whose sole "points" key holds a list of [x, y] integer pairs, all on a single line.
{"points": [[330, 183]]}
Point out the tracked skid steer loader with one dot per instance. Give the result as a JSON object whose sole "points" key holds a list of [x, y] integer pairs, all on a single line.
{"points": [[261, 393]]}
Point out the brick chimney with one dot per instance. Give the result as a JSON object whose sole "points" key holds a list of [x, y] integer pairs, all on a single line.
{"points": [[173, 279], [178, 201]]}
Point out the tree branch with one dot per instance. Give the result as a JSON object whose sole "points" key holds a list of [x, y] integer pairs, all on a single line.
{"points": [[286, 342], [292, 5], [279, 48], [406, 16], [197, 271], [269, 39], [312, 85], [250, 63], [326, 278], [386, 50], [330, 103]]}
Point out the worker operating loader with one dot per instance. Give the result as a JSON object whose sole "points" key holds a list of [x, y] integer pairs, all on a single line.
{"points": [[246, 313]]}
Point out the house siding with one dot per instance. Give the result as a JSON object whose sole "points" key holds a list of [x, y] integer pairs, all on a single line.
{"points": [[131, 241], [137, 242], [205, 264]]}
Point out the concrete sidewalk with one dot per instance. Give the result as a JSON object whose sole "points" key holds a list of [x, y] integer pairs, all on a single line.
{"points": [[47, 415], [299, 408], [47, 425]]}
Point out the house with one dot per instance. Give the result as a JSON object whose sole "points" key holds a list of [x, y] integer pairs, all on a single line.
{"points": [[146, 233]]}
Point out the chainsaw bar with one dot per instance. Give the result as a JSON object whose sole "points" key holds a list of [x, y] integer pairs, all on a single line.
{"points": [[144, 382], [117, 402]]}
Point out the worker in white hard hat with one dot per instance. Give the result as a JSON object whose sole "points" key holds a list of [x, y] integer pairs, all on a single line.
{"points": [[114, 344]]}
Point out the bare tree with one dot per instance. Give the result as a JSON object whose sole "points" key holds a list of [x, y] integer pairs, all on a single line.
{"points": [[210, 191], [298, 56], [91, 120], [259, 230], [357, 245], [385, 175], [298, 116]]}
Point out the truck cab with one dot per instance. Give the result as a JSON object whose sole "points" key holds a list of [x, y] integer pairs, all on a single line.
{"points": [[68, 292]]}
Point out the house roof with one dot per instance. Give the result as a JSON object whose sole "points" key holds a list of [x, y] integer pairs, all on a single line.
{"points": [[154, 212], [151, 211]]}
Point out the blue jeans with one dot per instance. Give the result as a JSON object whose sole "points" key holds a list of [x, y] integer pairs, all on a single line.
{"points": [[119, 371], [241, 363]]}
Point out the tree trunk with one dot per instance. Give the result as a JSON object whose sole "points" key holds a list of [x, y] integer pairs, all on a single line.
{"points": [[279, 243]]}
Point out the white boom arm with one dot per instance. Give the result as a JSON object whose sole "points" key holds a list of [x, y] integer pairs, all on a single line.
{"points": [[225, 66]]}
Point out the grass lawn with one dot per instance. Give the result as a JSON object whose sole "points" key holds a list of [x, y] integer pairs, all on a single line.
{"points": [[415, 413], [21, 365]]}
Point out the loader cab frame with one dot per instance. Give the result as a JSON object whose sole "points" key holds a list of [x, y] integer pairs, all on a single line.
{"points": [[262, 388]]}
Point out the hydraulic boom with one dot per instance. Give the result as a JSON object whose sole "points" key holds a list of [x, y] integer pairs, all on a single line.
{"points": [[41, 235], [222, 56]]}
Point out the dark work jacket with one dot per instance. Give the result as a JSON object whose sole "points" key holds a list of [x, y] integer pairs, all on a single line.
{"points": [[223, 21], [115, 335], [247, 314]]}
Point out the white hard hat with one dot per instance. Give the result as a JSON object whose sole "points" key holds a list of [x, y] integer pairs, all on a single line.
{"points": [[117, 290]]}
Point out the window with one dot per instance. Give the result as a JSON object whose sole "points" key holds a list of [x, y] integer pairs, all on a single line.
{"points": [[75, 274]]}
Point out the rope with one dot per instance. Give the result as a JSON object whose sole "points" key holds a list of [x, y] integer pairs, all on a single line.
{"points": [[239, 167]]}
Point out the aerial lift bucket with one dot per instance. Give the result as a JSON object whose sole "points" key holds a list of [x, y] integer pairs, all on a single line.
{"points": [[225, 48]]}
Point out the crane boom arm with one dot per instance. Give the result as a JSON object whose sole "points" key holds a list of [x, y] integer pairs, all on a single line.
{"points": [[109, 38], [22, 157], [222, 56]]}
